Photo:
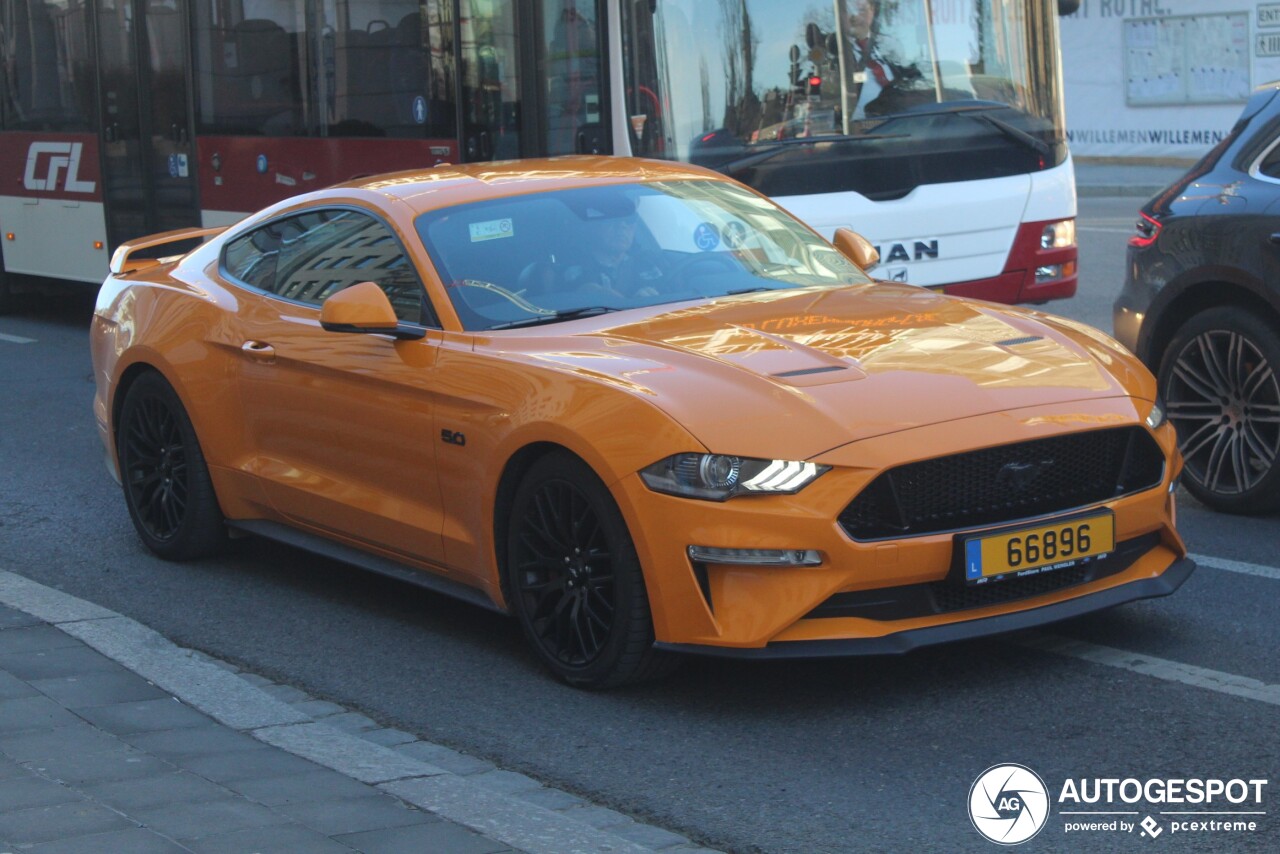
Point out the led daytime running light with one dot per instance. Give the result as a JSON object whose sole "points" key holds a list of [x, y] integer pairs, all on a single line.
{"points": [[756, 557], [782, 476]]}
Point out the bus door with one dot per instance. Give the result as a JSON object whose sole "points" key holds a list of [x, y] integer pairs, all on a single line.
{"points": [[532, 78], [149, 181]]}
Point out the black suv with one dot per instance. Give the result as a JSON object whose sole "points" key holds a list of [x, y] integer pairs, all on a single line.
{"points": [[1201, 307]]}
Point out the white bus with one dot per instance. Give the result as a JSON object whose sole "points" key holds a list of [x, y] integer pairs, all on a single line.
{"points": [[933, 127]]}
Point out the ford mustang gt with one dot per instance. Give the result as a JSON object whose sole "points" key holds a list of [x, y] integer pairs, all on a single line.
{"points": [[635, 405]]}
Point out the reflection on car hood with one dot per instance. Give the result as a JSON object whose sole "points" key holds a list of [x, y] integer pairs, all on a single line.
{"points": [[810, 370]]}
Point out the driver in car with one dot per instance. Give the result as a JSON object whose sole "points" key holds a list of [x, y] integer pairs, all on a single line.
{"points": [[610, 261]]}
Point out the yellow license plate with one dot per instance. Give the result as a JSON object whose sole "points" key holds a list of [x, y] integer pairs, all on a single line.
{"points": [[1042, 548]]}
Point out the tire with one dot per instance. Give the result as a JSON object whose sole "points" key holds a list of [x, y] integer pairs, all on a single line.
{"points": [[6, 291], [1221, 389], [163, 472], [574, 580]]}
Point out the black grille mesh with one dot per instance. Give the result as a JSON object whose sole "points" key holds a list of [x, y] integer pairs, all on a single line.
{"points": [[953, 597], [1005, 483], [941, 597]]}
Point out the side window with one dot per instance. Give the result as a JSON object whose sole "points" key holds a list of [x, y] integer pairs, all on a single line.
{"points": [[309, 257], [1270, 165]]}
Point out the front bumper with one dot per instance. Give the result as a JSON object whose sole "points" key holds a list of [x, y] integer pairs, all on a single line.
{"points": [[748, 609], [906, 641]]}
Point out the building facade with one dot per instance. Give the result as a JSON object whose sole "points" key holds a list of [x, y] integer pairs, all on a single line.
{"points": [[1163, 79]]}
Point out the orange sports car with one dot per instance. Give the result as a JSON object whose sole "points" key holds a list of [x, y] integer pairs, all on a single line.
{"points": [[636, 405]]}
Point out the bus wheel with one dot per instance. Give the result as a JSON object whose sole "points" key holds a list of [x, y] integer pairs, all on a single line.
{"points": [[6, 292]]}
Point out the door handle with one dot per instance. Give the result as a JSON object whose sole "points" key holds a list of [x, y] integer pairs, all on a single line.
{"points": [[259, 351], [1275, 238]]}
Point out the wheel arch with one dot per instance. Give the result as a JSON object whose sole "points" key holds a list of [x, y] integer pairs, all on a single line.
{"points": [[127, 378], [513, 471], [1191, 299]]}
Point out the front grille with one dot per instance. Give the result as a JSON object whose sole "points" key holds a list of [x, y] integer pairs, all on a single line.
{"points": [[953, 597], [942, 597], [1005, 483]]}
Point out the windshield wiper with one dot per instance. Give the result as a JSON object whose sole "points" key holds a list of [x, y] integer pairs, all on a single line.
{"points": [[557, 316], [760, 152], [981, 111], [1017, 134]]}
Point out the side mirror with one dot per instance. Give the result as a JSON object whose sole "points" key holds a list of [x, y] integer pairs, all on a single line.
{"points": [[856, 248], [364, 308]]}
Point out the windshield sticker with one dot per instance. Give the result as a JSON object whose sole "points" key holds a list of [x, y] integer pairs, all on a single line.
{"points": [[735, 234], [492, 230], [706, 236]]}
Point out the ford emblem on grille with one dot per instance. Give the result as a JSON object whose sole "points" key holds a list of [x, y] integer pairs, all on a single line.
{"points": [[1019, 476]]}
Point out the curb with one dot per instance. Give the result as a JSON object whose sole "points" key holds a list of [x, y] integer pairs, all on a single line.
{"points": [[502, 805]]}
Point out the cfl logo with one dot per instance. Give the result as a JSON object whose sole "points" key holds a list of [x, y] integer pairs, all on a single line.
{"points": [[58, 158]]}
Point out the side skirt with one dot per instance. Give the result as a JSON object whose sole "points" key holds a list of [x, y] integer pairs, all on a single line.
{"points": [[371, 562]]}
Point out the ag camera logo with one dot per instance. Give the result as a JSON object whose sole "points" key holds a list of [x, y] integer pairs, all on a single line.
{"points": [[1008, 804]]}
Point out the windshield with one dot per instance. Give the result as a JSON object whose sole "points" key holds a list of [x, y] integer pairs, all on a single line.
{"points": [[876, 96], [547, 257]]}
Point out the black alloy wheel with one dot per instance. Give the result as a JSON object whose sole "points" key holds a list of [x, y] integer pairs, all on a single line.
{"points": [[1222, 394], [162, 469], [574, 580]]}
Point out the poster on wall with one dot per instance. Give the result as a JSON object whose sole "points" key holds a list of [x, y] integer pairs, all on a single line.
{"points": [[1193, 59]]}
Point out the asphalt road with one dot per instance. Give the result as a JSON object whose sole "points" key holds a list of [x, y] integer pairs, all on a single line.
{"points": [[854, 755]]}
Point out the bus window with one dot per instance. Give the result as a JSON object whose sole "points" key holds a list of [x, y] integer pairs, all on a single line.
{"points": [[45, 70], [249, 68], [571, 68], [384, 74], [490, 80]]}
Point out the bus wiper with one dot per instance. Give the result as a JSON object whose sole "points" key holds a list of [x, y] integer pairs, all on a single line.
{"points": [[981, 111], [557, 316], [759, 153], [1017, 134], [748, 291]]}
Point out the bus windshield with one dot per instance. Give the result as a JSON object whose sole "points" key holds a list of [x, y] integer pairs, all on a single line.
{"points": [[874, 96]]}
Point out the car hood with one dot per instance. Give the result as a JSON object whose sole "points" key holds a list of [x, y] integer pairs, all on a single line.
{"points": [[800, 372]]}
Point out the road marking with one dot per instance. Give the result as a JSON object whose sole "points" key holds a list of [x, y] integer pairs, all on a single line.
{"points": [[1238, 566], [16, 339], [1158, 668]]}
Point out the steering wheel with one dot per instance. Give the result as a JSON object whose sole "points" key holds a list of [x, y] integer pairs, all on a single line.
{"points": [[688, 267]]}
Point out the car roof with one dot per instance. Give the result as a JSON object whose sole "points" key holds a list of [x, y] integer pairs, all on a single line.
{"points": [[451, 184]]}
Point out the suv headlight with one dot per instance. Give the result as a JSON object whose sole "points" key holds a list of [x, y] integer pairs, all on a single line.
{"points": [[719, 477]]}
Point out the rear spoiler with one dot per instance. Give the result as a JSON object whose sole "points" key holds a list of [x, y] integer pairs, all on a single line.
{"points": [[122, 260]]}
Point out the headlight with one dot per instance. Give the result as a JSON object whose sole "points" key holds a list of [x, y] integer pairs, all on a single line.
{"points": [[1058, 235], [1156, 417], [718, 477]]}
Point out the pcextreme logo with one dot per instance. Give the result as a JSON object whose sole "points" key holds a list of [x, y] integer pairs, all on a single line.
{"points": [[1009, 804], [47, 162]]}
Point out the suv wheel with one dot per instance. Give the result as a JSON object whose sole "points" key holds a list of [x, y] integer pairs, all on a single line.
{"points": [[1221, 391]]}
